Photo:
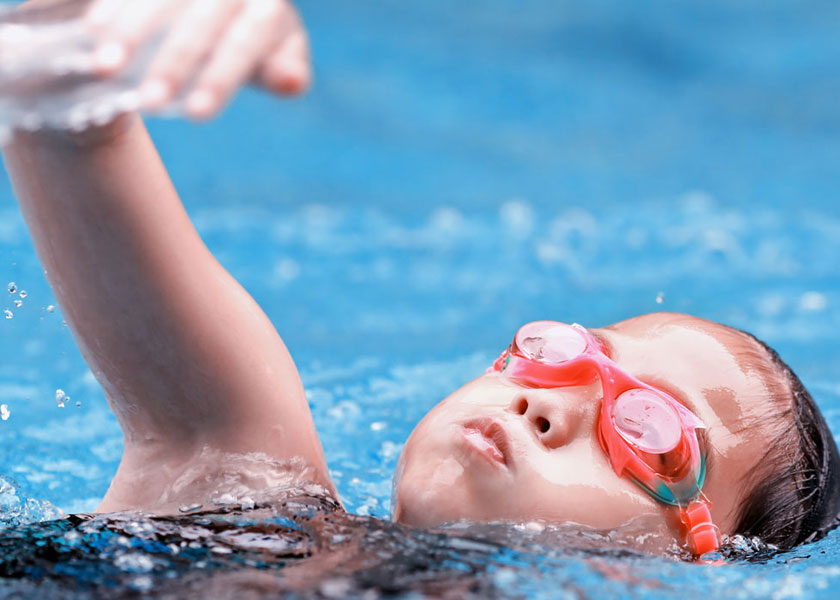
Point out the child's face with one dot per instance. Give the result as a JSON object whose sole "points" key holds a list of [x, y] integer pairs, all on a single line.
{"points": [[485, 454]]}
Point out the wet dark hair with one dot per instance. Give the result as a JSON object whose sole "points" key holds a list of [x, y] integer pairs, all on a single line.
{"points": [[795, 495]]}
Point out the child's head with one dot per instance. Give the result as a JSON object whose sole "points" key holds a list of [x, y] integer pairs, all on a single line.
{"points": [[772, 465]]}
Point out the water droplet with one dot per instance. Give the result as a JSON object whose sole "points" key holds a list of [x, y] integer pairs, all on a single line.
{"points": [[60, 398], [12, 287], [50, 308], [660, 297], [4, 412], [8, 313], [18, 303], [23, 294]]}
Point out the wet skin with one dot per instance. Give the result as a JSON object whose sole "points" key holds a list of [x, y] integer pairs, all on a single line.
{"points": [[494, 450]]}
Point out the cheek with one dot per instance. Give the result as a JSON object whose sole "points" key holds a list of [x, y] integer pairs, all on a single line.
{"points": [[581, 462], [435, 484], [577, 484], [423, 471]]}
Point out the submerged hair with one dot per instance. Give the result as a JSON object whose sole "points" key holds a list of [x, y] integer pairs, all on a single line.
{"points": [[797, 496]]}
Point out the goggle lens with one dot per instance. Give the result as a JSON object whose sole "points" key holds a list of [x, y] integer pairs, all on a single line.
{"points": [[549, 342], [646, 420]]}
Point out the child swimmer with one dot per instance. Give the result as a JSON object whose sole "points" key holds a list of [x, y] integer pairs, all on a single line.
{"points": [[665, 417]]}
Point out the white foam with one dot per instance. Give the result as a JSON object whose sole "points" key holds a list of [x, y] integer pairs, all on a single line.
{"points": [[48, 78]]}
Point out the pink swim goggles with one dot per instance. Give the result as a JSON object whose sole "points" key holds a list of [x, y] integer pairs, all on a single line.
{"points": [[647, 434]]}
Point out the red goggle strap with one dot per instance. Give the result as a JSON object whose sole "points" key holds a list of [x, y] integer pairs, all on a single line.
{"points": [[701, 533]]}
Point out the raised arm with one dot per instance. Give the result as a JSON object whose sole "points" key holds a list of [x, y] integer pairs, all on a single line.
{"points": [[188, 361]]}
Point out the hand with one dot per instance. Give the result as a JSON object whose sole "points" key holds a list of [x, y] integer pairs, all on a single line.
{"points": [[210, 48]]}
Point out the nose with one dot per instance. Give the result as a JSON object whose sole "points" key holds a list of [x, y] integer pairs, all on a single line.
{"points": [[553, 420]]}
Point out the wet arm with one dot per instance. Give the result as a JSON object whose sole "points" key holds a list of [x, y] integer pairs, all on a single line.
{"points": [[185, 356]]}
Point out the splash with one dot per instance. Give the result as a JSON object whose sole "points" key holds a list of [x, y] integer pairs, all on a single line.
{"points": [[48, 75], [304, 545], [18, 509]]}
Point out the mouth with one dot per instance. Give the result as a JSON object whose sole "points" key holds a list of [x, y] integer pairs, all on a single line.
{"points": [[489, 439]]}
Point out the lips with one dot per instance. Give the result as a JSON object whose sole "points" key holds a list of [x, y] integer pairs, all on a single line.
{"points": [[489, 439]]}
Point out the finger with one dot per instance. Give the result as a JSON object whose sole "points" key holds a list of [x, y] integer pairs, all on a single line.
{"points": [[237, 57], [287, 69], [109, 56], [123, 26], [187, 46]]}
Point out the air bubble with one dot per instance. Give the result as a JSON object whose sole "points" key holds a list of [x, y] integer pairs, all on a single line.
{"points": [[60, 398], [4, 412], [18, 303], [660, 297], [12, 287], [23, 294], [78, 403], [8, 314], [50, 308]]}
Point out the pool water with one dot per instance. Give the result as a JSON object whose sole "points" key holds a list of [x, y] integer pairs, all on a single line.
{"points": [[457, 171]]}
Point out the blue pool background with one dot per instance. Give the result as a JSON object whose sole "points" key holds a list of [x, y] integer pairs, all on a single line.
{"points": [[462, 168]]}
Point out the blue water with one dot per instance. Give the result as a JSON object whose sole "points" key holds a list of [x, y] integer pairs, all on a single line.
{"points": [[458, 170]]}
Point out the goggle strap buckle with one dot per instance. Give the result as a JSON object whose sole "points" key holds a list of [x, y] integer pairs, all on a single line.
{"points": [[702, 534]]}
